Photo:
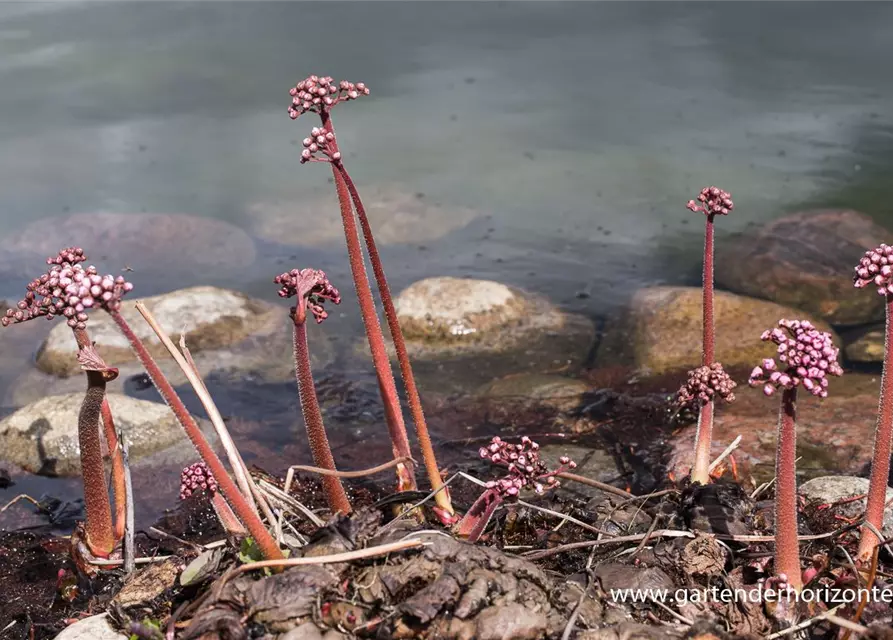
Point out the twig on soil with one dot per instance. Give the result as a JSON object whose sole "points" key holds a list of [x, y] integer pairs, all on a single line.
{"points": [[165, 534], [647, 496], [564, 517], [725, 454], [647, 536], [678, 616], [849, 625], [235, 462], [101, 562], [347, 556], [572, 621], [804, 625], [418, 504], [277, 494], [18, 498], [660, 533], [129, 517], [607, 488], [360, 473]]}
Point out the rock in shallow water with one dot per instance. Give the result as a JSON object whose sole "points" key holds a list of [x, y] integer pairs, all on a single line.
{"points": [[805, 261], [146, 241], [42, 437], [662, 330], [467, 332], [395, 214], [557, 392]]}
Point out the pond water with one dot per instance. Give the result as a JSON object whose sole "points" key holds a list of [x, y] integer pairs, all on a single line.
{"points": [[573, 132]]}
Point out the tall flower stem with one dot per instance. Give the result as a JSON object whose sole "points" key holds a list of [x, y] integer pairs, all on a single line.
{"points": [[100, 533], [787, 547], [316, 431], [387, 385], [249, 517], [709, 326], [441, 497], [880, 461]]}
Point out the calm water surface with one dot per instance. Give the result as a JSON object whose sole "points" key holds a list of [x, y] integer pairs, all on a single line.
{"points": [[575, 131]]}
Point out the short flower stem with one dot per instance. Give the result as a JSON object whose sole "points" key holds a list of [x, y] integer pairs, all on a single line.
{"points": [[255, 527], [442, 498], [472, 525], [387, 386], [228, 519], [880, 462], [100, 534], [118, 480], [787, 548], [703, 440], [316, 431]]}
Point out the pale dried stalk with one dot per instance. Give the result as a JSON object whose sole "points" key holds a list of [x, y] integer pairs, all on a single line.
{"points": [[216, 419]]}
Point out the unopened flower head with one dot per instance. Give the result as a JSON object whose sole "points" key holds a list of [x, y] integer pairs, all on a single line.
{"points": [[312, 288], [69, 290], [712, 201], [320, 93], [807, 356], [196, 477], [322, 141], [525, 469], [705, 384], [876, 268]]}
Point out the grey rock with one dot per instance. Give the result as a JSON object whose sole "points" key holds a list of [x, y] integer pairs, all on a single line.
{"points": [[865, 344], [471, 331], [92, 628], [830, 489], [306, 631], [395, 215], [557, 392], [42, 437], [593, 463]]}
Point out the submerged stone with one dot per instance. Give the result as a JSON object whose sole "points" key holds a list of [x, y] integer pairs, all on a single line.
{"points": [[662, 330], [461, 333], [145, 241], [557, 392], [805, 261], [42, 437], [395, 215]]}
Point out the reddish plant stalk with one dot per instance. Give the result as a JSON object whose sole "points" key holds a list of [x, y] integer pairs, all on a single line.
{"points": [[475, 520], [883, 435], [787, 547], [249, 517], [118, 484], [442, 497], [100, 536], [228, 519], [704, 435], [316, 431], [387, 385]]}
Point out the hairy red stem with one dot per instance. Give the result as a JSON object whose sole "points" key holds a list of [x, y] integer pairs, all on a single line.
{"points": [[387, 386], [442, 498], [100, 536], [316, 430], [880, 461], [249, 517], [117, 456], [787, 547], [475, 520], [709, 328]]}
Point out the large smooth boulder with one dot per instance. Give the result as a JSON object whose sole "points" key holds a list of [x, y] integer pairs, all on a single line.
{"points": [[467, 332], [228, 333], [805, 261], [42, 437], [395, 214], [145, 241], [662, 330], [865, 344], [834, 435]]}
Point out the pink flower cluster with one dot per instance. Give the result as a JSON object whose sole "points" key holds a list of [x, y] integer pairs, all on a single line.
{"points": [[67, 289], [810, 356], [876, 267], [321, 93], [312, 288], [712, 201], [194, 477], [320, 140], [705, 384], [525, 469]]}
